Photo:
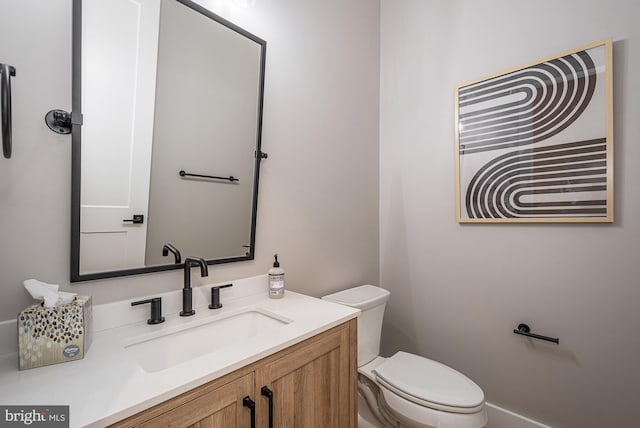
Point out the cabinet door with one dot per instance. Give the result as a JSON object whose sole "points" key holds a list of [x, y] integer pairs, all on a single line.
{"points": [[203, 407], [312, 386]]}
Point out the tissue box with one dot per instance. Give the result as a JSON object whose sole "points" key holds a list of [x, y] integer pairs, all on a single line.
{"points": [[54, 335]]}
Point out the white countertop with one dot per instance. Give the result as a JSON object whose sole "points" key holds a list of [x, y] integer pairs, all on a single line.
{"points": [[109, 385]]}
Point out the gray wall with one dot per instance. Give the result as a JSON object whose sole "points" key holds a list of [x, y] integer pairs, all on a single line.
{"points": [[459, 290], [205, 123], [318, 205]]}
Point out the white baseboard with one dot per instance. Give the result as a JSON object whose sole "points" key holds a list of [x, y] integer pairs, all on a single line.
{"points": [[503, 418]]}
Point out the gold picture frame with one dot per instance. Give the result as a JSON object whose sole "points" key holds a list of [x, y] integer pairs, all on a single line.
{"points": [[535, 143]]}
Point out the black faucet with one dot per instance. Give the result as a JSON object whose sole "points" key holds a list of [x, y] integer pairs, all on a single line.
{"points": [[187, 302], [176, 253], [215, 296], [156, 309]]}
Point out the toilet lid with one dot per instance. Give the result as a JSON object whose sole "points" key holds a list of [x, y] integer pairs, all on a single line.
{"points": [[429, 383]]}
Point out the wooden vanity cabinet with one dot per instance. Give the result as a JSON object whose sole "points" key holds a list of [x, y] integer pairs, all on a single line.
{"points": [[311, 384], [206, 406]]}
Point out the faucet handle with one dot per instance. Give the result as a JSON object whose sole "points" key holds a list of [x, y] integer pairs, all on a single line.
{"points": [[215, 296], [156, 309]]}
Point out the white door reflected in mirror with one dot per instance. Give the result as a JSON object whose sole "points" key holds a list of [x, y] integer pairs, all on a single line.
{"points": [[118, 129]]}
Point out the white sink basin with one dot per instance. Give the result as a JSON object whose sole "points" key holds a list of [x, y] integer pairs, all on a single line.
{"points": [[159, 352]]}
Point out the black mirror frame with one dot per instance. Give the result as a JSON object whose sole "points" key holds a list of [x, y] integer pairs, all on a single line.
{"points": [[76, 158]]}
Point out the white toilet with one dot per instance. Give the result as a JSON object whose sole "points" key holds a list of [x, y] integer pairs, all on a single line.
{"points": [[405, 390]]}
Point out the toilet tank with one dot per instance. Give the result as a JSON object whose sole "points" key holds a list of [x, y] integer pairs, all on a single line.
{"points": [[371, 300]]}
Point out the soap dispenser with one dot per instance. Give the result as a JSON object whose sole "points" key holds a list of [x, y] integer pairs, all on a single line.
{"points": [[276, 280]]}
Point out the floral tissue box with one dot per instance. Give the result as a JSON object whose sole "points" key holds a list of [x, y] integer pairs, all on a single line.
{"points": [[54, 335]]}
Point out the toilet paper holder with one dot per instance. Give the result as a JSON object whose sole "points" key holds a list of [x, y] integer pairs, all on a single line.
{"points": [[524, 330]]}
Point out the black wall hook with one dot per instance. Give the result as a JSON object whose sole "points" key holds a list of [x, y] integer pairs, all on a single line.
{"points": [[59, 121]]}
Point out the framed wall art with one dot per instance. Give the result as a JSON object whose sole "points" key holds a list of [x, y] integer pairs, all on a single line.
{"points": [[535, 143]]}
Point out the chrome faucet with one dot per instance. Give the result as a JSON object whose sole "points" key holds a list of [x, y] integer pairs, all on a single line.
{"points": [[187, 301]]}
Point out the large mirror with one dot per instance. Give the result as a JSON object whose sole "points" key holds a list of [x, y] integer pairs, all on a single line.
{"points": [[167, 113]]}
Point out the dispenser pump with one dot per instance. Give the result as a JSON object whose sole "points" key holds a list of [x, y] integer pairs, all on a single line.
{"points": [[276, 280]]}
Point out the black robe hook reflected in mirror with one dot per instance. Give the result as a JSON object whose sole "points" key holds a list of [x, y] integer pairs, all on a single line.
{"points": [[6, 71]]}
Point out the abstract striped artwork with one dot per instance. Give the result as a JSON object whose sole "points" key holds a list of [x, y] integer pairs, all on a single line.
{"points": [[535, 144]]}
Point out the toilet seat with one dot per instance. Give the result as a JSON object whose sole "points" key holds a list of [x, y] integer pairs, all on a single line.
{"points": [[410, 414], [429, 383]]}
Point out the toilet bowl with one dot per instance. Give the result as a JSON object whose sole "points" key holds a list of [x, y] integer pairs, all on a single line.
{"points": [[406, 390]]}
